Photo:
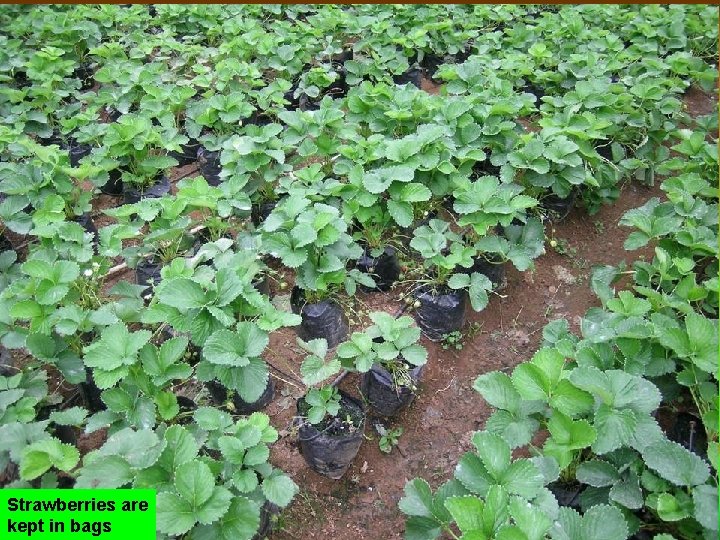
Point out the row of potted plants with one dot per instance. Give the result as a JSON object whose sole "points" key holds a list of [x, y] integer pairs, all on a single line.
{"points": [[626, 414]]}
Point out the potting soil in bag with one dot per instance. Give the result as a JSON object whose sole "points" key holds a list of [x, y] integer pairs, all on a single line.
{"points": [[689, 432], [385, 269], [7, 364], [324, 319], [147, 273], [411, 76], [160, 188], [331, 449], [218, 394], [77, 152], [494, 271], [567, 494], [245, 407], [262, 285], [209, 164], [114, 185], [86, 222], [260, 212], [440, 314], [268, 512], [187, 154], [91, 393], [384, 396], [559, 208]]}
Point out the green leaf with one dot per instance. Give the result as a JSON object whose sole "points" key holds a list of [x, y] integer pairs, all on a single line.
{"points": [[530, 519], [279, 489], [703, 340], [467, 512], [516, 428], [600, 522], [194, 482], [212, 419], [459, 281], [471, 472], [181, 448], [215, 507], [174, 515], [570, 400], [615, 428], [167, 405], [493, 451], [401, 212], [251, 381], [675, 463], [38, 457], [477, 292], [232, 449], [627, 492], [181, 293], [417, 500], [314, 369], [669, 508], [245, 480], [228, 348], [74, 416], [422, 528], [257, 455], [415, 354], [522, 478], [536, 379], [567, 436], [705, 501], [41, 346], [117, 347], [141, 448], [597, 473], [108, 472], [497, 389], [241, 521], [413, 192]]}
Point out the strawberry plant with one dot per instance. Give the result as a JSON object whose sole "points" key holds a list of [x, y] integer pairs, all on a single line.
{"points": [[140, 149], [444, 252], [331, 423]]}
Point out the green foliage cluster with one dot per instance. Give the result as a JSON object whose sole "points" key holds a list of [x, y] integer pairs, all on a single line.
{"points": [[597, 397], [307, 108]]}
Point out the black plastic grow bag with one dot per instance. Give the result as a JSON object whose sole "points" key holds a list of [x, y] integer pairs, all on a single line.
{"points": [[440, 313], [160, 188], [188, 152], [147, 273], [324, 319], [489, 266], [332, 453], [558, 208], [384, 269], [218, 394], [383, 395], [114, 185], [209, 165]]}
